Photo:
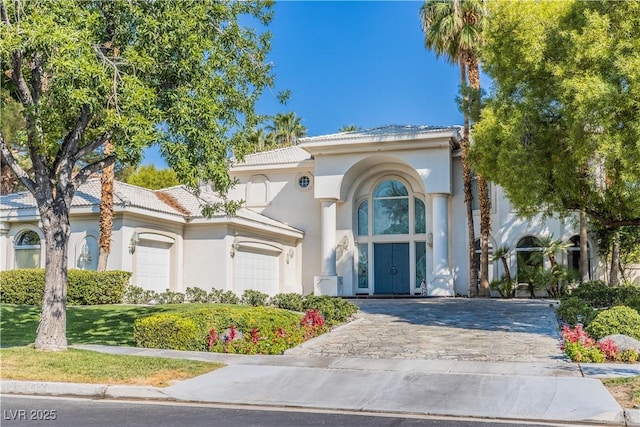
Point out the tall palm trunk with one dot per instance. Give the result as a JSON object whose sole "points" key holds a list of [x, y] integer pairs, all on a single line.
{"points": [[584, 249], [468, 194], [106, 211], [483, 190], [615, 260]]}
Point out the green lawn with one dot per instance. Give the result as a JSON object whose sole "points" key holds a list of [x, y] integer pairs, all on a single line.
{"points": [[96, 324], [26, 363]]}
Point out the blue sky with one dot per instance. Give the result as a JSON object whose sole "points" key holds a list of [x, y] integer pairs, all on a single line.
{"points": [[360, 62]]}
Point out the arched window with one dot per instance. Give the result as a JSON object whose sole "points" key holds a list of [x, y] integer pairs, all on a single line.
{"points": [[573, 254], [528, 258], [27, 250], [420, 226], [363, 218], [391, 208]]}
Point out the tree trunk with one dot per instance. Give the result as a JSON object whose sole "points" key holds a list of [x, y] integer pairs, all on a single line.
{"points": [[584, 249], [52, 330], [615, 259], [485, 230], [507, 272], [468, 195], [106, 211], [483, 190]]}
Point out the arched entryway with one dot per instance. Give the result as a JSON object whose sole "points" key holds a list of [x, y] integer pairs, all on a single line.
{"points": [[391, 238]]}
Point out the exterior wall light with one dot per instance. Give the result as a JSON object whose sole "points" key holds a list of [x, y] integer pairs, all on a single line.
{"points": [[135, 239], [85, 256], [235, 246], [430, 240], [290, 255]]}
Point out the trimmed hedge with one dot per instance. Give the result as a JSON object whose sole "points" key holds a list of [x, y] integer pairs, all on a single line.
{"points": [[617, 320], [334, 310], [598, 294], [84, 287], [224, 328]]}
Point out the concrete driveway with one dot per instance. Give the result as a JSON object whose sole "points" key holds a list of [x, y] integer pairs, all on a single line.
{"points": [[445, 328]]}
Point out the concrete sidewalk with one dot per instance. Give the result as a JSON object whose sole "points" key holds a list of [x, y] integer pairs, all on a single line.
{"points": [[547, 392]]}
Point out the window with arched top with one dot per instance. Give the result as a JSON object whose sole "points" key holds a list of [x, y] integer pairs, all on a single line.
{"points": [[529, 259], [27, 250], [391, 208]]}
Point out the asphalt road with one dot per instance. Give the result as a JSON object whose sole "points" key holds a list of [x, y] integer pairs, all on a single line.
{"points": [[18, 411]]}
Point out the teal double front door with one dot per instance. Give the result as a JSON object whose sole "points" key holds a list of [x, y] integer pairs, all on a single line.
{"points": [[391, 268]]}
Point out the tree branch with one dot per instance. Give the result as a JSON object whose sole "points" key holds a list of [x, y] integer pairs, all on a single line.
{"points": [[91, 168], [70, 144], [9, 158], [4, 14], [91, 146], [18, 79], [36, 77]]}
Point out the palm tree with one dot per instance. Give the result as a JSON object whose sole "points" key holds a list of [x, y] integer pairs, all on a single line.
{"points": [[348, 128], [549, 247], [453, 28], [501, 254], [287, 128], [260, 140], [106, 210]]}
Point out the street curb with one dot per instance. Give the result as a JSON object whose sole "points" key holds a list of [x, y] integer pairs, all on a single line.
{"points": [[630, 418], [100, 391]]}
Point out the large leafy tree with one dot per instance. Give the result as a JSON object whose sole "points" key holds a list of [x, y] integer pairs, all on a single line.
{"points": [[454, 29], [155, 179], [184, 74], [560, 132]]}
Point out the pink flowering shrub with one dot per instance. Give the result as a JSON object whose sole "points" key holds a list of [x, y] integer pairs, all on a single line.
{"points": [[580, 347]]}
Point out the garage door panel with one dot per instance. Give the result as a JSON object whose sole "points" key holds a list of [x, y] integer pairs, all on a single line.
{"points": [[153, 260], [257, 271]]}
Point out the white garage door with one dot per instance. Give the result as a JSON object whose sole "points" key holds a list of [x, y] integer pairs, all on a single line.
{"points": [[153, 260], [257, 271]]}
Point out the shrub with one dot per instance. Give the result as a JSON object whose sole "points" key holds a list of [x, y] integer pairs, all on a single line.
{"points": [[195, 295], [287, 301], [170, 297], [225, 328], [334, 310], [617, 320], [228, 297], [628, 356], [222, 297], [573, 310], [137, 295], [598, 294], [577, 352], [170, 331], [254, 298], [505, 288], [85, 287], [580, 347]]}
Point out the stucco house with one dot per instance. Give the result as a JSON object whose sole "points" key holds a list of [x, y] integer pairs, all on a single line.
{"points": [[377, 211]]}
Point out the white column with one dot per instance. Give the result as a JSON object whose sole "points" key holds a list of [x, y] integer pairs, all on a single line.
{"points": [[328, 283], [441, 283], [328, 246], [440, 234]]}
